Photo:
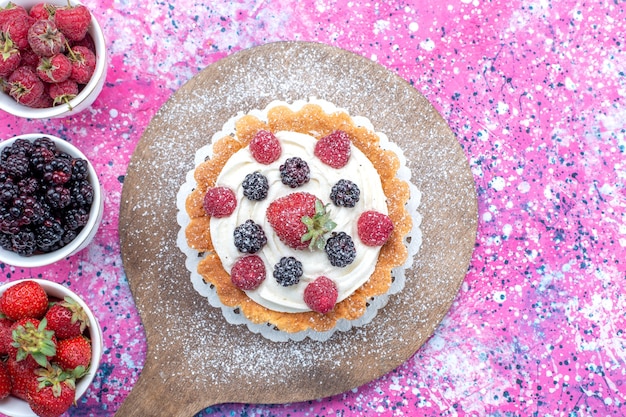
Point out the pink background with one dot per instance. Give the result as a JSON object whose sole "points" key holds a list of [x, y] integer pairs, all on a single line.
{"points": [[533, 90]]}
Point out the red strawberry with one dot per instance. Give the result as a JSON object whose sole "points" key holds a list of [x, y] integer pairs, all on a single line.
{"points": [[32, 342], [42, 11], [248, 272], [321, 295], [45, 39], [334, 149], [265, 147], [67, 319], [10, 11], [17, 29], [63, 92], [22, 377], [24, 299], [73, 21], [55, 393], [374, 228], [10, 56], [219, 202], [5, 381], [6, 338], [74, 353], [83, 64], [54, 69], [25, 86], [300, 220]]}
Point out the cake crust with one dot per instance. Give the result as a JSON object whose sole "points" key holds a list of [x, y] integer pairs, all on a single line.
{"points": [[311, 119]]}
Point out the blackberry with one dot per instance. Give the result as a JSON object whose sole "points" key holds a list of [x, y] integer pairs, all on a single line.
{"points": [[23, 243], [288, 271], [255, 186], [48, 235], [8, 191], [295, 172], [345, 193], [8, 223], [249, 237], [58, 197], [79, 169], [5, 241], [57, 171], [39, 158], [26, 210], [67, 237], [76, 218], [20, 146], [16, 165], [28, 186], [340, 249], [81, 193], [45, 142]]}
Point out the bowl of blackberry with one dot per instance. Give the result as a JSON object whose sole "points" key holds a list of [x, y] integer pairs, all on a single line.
{"points": [[50, 200]]}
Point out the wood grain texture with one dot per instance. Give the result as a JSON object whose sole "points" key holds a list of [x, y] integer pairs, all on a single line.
{"points": [[195, 358]]}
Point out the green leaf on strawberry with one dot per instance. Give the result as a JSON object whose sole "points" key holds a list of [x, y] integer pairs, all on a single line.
{"points": [[318, 226]]}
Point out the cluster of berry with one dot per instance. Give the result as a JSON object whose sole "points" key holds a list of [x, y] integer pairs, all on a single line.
{"points": [[44, 348], [46, 54], [299, 219], [45, 197]]}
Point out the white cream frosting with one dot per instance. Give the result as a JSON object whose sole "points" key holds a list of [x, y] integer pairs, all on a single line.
{"points": [[315, 263]]}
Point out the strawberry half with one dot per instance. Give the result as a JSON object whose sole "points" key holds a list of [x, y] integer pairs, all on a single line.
{"points": [[300, 220]]}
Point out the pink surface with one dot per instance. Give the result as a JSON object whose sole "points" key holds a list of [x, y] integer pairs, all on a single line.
{"points": [[534, 92]]}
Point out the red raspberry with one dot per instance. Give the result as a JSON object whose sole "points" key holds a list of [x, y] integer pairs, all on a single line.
{"points": [[42, 11], [45, 38], [73, 21], [334, 149], [248, 272], [220, 202], [265, 147], [374, 228], [321, 295], [10, 57], [87, 42], [17, 29], [83, 64], [25, 86], [54, 69], [29, 58], [63, 92], [45, 101], [10, 11]]}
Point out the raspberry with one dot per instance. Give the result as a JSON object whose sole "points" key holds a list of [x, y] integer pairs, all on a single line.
{"points": [[255, 186], [295, 172], [83, 64], [10, 56], [334, 149], [25, 86], [321, 295], [29, 58], [11, 11], [340, 249], [265, 147], [63, 92], [219, 202], [374, 228], [54, 69], [73, 21], [17, 29], [345, 193], [248, 272], [288, 271], [45, 38], [249, 237], [42, 11]]}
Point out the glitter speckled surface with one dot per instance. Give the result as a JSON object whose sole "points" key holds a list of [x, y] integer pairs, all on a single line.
{"points": [[534, 92]]}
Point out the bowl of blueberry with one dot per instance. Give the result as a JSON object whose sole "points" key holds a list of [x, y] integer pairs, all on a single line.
{"points": [[50, 200]]}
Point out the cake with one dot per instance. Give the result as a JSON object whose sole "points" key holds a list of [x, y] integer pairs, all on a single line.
{"points": [[297, 217]]}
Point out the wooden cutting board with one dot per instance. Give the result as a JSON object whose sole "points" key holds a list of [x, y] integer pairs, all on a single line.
{"points": [[195, 358]]}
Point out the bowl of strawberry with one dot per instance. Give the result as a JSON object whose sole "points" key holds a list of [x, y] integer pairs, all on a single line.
{"points": [[52, 60], [50, 348], [51, 201]]}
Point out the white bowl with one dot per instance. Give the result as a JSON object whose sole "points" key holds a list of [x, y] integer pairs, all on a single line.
{"points": [[14, 407], [90, 91], [86, 234]]}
